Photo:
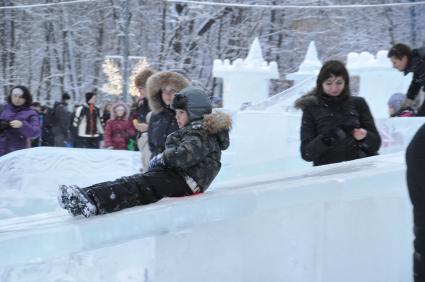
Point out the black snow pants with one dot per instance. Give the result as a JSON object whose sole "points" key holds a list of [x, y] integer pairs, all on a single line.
{"points": [[138, 189], [415, 160]]}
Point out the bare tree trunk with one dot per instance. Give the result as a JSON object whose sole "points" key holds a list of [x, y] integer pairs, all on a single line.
{"points": [[8, 42], [99, 49], [163, 35], [413, 28], [390, 26], [69, 43], [58, 62]]}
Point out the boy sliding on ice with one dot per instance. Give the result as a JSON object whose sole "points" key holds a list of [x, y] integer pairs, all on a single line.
{"points": [[188, 165]]}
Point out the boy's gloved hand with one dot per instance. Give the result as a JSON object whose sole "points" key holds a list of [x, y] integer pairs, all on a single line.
{"points": [[156, 161]]}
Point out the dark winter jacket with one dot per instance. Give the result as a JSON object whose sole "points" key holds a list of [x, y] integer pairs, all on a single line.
{"points": [[82, 120], [160, 126], [118, 131], [139, 115], [327, 125], [415, 161], [163, 120], [61, 118], [195, 150], [12, 139], [415, 176], [416, 65], [140, 111]]}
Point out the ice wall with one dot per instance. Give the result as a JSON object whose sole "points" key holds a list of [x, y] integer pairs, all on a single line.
{"points": [[245, 81], [28, 176], [327, 223]]}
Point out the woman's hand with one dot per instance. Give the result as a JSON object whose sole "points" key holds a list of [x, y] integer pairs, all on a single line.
{"points": [[16, 123], [359, 133], [142, 127]]}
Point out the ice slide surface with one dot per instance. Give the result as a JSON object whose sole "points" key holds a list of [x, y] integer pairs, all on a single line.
{"points": [[343, 222]]}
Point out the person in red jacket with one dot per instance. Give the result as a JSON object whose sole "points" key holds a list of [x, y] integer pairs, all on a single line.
{"points": [[118, 130]]}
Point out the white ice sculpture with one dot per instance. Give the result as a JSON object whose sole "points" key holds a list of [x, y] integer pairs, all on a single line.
{"points": [[309, 67], [378, 80], [245, 81]]}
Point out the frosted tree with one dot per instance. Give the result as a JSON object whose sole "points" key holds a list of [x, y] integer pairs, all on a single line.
{"points": [[113, 85]]}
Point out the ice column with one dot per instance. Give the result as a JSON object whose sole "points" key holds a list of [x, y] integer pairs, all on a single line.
{"points": [[378, 79], [245, 81], [310, 67]]}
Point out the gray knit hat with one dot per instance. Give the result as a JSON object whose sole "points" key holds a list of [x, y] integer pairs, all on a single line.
{"points": [[194, 101]]}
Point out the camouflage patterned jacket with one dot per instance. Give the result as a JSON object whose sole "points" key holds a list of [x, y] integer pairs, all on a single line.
{"points": [[195, 150]]}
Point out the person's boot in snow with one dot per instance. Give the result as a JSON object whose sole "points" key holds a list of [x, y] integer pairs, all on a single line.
{"points": [[67, 200], [75, 201]]}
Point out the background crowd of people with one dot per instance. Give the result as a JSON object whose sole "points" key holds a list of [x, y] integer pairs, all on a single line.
{"points": [[142, 126]]}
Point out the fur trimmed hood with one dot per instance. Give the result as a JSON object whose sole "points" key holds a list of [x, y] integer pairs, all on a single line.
{"points": [[163, 79], [311, 98], [219, 123], [306, 100], [120, 104]]}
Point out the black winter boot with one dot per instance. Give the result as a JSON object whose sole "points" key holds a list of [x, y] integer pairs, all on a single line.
{"points": [[75, 201]]}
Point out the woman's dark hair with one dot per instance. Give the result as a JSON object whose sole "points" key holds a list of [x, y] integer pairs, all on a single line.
{"points": [[329, 69], [26, 95], [399, 51]]}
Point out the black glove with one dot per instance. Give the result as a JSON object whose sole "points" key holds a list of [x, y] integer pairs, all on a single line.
{"points": [[4, 124], [333, 136]]}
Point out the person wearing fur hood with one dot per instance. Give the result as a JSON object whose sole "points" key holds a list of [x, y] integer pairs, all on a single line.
{"points": [[119, 129], [190, 162], [336, 126], [161, 88]]}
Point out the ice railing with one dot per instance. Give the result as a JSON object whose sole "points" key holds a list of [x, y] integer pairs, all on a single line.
{"points": [[284, 101]]}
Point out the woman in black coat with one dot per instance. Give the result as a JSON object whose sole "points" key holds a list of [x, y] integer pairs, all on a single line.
{"points": [[336, 126]]}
